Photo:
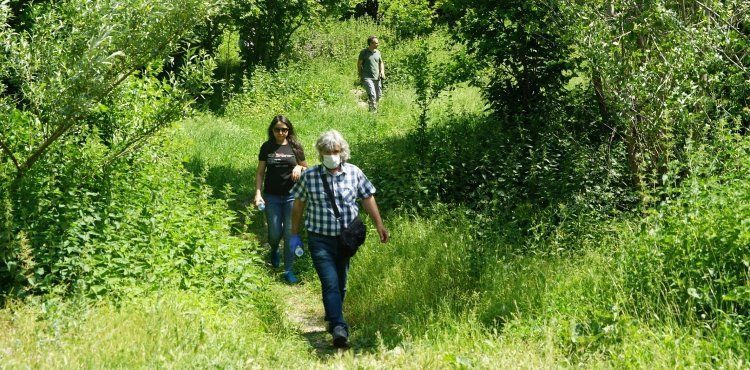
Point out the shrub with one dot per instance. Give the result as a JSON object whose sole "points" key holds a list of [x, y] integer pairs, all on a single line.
{"points": [[292, 88], [691, 257], [140, 224], [159, 230], [407, 17], [338, 41]]}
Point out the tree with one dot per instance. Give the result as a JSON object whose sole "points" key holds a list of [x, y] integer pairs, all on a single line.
{"points": [[266, 27], [665, 72], [648, 76], [77, 60], [86, 94]]}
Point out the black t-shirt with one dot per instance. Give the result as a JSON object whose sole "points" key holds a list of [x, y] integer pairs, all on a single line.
{"points": [[280, 161]]}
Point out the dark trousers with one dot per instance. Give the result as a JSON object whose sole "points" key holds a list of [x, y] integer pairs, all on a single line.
{"points": [[332, 268]]}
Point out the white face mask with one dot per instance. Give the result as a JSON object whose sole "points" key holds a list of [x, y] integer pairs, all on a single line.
{"points": [[331, 161]]}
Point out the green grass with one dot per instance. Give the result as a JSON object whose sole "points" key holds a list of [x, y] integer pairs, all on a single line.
{"points": [[436, 296], [170, 329]]}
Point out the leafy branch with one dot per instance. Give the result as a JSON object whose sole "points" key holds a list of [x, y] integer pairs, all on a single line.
{"points": [[10, 154], [46, 52]]}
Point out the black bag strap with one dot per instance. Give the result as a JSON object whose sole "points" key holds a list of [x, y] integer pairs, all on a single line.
{"points": [[331, 198]]}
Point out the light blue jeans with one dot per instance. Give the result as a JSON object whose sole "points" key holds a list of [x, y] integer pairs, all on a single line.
{"points": [[279, 217], [374, 90]]}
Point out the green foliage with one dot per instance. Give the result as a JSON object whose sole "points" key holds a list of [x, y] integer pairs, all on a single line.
{"points": [[407, 18], [663, 71], [142, 226], [546, 141], [158, 231], [339, 9], [292, 88], [266, 27], [85, 92], [338, 41], [647, 75], [523, 42], [467, 160], [77, 59], [692, 253], [433, 65], [514, 240]]}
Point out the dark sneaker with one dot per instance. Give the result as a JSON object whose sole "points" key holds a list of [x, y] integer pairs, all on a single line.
{"points": [[340, 337], [290, 278]]}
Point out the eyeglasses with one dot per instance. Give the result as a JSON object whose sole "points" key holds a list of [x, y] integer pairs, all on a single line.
{"points": [[280, 130]]}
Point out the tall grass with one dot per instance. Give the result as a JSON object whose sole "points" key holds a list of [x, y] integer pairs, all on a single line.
{"points": [[463, 283], [458, 287], [175, 329]]}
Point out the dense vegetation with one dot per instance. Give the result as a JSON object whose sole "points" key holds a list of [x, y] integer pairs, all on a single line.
{"points": [[566, 182]]}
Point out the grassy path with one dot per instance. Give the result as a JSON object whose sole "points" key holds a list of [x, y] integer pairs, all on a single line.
{"points": [[303, 310]]}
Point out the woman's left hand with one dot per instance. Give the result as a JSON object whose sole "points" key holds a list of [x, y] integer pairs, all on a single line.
{"points": [[296, 173]]}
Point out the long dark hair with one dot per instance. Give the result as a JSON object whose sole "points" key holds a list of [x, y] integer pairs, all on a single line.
{"points": [[291, 137]]}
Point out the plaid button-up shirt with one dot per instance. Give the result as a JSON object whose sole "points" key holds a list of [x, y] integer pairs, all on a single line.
{"points": [[347, 186]]}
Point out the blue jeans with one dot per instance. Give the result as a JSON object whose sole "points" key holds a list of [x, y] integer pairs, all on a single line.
{"points": [[279, 217], [332, 267]]}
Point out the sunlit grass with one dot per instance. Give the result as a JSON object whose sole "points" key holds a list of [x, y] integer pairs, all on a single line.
{"points": [[436, 296], [169, 329]]}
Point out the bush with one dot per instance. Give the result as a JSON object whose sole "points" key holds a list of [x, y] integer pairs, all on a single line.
{"points": [[466, 159], [338, 41], [292, 88], [160, 230], [407, 18], [142, 223], [691, 257]]}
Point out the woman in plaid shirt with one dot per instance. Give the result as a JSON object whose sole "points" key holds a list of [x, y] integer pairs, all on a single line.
{"points": [[348, 184]]}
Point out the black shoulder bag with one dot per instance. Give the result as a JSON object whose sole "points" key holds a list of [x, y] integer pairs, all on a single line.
{"points": [[351, 237]]}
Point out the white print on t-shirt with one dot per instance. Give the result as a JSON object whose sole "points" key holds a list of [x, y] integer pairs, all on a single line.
{"points": [[277, 158]]}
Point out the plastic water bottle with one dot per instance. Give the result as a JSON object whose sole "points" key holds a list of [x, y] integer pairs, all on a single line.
{"points": [[295, 245], [261, 206]]}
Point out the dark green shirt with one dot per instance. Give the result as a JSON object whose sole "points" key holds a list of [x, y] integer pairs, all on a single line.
{"points": [[370, 63]]}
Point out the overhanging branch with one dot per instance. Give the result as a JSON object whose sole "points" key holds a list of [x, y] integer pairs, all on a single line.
{"points": [[37, 154], [7, 151]]}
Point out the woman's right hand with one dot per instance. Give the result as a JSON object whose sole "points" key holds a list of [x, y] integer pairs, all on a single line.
{"points": [[296, 173], [258, 200]]}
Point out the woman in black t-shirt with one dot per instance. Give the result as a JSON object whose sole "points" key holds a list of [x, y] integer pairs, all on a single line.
{"points": [[280, 163]]}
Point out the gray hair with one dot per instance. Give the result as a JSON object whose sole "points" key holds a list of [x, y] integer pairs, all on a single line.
{"points": [[328, 142]]}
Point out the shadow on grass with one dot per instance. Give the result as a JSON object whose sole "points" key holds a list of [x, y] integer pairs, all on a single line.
{"points": [[241, 185], [464, 161], [321, 342]]}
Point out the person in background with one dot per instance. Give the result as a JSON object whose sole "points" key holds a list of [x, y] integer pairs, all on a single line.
{"points": [[347, 183], [280, 163], [371, 71]]}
